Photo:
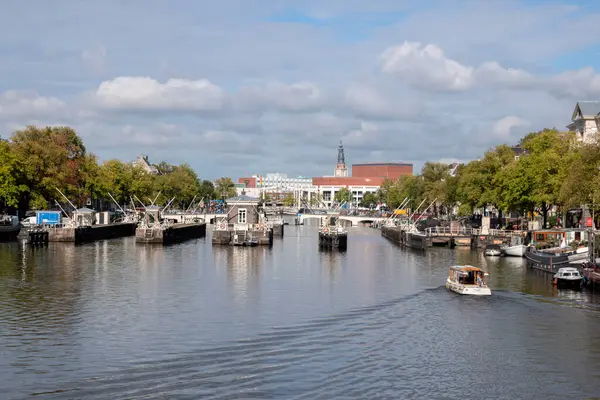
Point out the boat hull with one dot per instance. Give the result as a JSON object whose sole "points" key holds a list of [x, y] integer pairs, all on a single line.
{"points": [[546, 261], [515, 251], [9, 233], [471, 290], [569, 283]]}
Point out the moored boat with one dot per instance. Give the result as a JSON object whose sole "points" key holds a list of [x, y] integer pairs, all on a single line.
{"points": [[516, 248], [9, 227], [515, 251], [568, 277], [467, 280]]}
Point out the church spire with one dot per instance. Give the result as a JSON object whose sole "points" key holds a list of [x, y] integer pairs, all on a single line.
{"points": [[341, 158], [340, 168]]}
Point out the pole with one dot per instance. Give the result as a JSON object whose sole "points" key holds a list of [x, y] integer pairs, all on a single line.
{"points": [[69, 201]]}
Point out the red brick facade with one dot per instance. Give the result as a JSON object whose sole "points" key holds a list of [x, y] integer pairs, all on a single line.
{"points": [[385, 170], [249, 182]]}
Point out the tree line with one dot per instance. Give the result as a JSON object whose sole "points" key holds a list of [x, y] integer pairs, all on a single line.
{"points": [[554, 171], [35, 162]]}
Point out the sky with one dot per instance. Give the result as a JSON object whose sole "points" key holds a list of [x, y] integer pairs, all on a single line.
{"points": [[242, 87]]}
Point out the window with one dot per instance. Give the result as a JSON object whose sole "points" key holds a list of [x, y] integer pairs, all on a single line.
{"points": [[327, 196], [242, 216]]}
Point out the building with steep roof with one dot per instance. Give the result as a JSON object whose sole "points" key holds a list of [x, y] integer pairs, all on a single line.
{"points": [[585, 120], [142, 161]]}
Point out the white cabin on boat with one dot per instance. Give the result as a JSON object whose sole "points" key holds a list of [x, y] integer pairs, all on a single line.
{"points": [[466, 279]]}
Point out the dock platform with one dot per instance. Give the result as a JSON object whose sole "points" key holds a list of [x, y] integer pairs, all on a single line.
{"points": [[171, 234], [83, 234]]}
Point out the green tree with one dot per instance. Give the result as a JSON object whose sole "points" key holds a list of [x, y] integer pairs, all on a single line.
{"points": [[11, 182], [207, 190], [50, 158], [470, 185], [181, 183], [225, 188], [369, 200], [123, 181], [289, 200], [342, 195], [435, 176], [164, 167], [550, 155]]}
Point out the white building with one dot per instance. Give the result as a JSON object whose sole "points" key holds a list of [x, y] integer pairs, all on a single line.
{"points": [[277, 182], [586, 120], [142, 161]]}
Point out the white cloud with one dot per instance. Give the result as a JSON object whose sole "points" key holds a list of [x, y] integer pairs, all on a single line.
{"points": [[22, 104], [296, 97], [458, 78], [426, 66], [139, 93], [503, 129]]}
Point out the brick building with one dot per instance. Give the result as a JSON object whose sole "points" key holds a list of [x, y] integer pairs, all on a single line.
{"points": [[365, 178]]}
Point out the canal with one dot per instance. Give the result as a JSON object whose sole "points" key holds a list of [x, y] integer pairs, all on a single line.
{"points": [[115, 320]]}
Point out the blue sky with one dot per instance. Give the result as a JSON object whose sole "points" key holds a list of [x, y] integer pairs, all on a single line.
{"points": [[238, 87]]}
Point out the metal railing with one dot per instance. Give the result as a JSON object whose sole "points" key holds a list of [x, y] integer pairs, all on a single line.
{"points": [[467, 231]]}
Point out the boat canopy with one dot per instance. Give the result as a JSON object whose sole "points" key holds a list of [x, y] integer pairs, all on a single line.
{"points": [[464, 268]]}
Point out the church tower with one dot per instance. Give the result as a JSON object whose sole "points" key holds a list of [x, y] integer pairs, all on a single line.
{"points": [[340, 167]]}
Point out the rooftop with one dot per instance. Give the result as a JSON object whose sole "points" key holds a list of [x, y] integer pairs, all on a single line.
{"points": [[242, 198], [587, 109], [400, 164]]}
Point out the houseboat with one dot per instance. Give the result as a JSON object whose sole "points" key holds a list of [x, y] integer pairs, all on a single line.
{"points": [[468, 280], [568, 277], [554, 248], [9, 227]]}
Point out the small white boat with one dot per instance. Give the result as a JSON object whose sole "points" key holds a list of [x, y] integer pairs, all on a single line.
{"points": [[516, 248], [466, 279], [493, 250], [568, 277]]}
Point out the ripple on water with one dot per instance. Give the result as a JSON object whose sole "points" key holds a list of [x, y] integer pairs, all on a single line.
{"points": [[116, 320]]}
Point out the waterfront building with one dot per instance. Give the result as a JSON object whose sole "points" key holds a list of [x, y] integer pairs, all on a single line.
{"points": [[365, 178], [585, 120], [142, 161]]}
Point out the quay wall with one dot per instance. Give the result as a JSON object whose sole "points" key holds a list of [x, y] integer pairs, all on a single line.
{"points": [[404, 238], [92, 233], [224, 237], [333, 240], [173, 234], [278, 230]]}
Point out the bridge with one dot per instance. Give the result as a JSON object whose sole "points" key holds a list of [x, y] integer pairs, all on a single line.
{"points": [[352, 219]]}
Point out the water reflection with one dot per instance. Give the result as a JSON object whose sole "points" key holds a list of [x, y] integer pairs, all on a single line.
{"points": [[114, 320], [243, 265]]}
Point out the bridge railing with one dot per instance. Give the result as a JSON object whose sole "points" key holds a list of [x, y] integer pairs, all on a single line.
{"points": [[467, 231], [451, 231]]}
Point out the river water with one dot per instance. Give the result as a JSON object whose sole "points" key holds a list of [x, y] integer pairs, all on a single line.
{"points": [[117, 320]]}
